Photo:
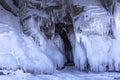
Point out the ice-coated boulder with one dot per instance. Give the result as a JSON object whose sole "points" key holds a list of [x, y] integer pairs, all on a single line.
{"points": [[93, 38], [18, 51]]}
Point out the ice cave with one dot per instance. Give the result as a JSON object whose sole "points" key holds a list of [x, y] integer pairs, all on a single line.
{"points": [[59, 39]]}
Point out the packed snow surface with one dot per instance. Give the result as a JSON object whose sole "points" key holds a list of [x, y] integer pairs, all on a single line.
{"points": [[69, 73]]}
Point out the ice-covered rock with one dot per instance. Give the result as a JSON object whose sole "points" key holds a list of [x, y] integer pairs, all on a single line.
{"points": [[54, 54], [59, 43], [79, 56], [98, 53], [18, 51], [93, 39], [38, 20], [42, 63], [115, 52], [9, 5]]}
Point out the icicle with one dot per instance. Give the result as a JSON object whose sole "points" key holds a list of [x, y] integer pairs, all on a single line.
{"points": [[91, 30]]}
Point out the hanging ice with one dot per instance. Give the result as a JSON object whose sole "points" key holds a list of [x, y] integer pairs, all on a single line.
{"points": [[38, 19], [18, 51], [92, 32]]}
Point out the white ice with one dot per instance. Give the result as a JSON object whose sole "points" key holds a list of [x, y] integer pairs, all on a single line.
{"points": [[98, 49], [18, 51]]}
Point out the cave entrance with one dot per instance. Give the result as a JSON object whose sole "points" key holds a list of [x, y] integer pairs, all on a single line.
{"points": [[62, 30]]}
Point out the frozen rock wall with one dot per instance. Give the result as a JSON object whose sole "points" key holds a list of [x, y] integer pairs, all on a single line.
{"points": [[95, 31], [31, 43]]}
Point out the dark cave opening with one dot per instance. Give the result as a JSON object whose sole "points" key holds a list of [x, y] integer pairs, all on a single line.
{"points": [[16, 2], [62, 30]]}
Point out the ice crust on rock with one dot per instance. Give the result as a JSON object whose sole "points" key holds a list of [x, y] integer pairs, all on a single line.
{"points": [[39, 19], [18, 51], [93, 31], [40, 50], [54, 54], [59, 43]]}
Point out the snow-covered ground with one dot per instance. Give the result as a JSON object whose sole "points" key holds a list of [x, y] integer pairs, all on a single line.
{"points": [[69, 73]]}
